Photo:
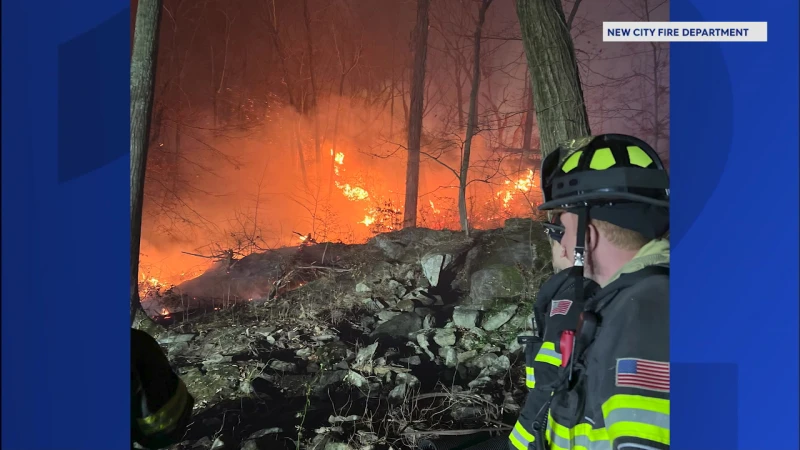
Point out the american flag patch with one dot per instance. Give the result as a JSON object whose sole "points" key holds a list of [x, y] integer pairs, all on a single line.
{"points": [[643, 374], [560, 307]]}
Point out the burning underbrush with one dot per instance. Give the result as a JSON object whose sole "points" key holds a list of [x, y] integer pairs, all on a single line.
{"points": [[352, 199], [410, 336]]}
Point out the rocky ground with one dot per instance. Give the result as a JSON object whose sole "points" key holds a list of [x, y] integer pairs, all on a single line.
{"points": [[375, 346]]}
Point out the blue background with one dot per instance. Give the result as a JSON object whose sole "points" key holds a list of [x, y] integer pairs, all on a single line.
{"points": [[65, 228], [65, 225], [734, 166]]}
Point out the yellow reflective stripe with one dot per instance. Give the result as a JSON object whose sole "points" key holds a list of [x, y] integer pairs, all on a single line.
{"points": [[639, 157], [516, 442], [548, 354], [658, 405], [572, 162], [523, 432], [637, 416], [530, 378], [167, 417], [602, 159], [520, 437], [581, 436]]}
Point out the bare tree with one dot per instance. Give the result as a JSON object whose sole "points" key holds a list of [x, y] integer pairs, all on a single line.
{"points": [[472, 115], [557, 92], [420, 45], [296, 100], [527, 123], [346, 65], [313, 78], [143, 63], [217, 87]]}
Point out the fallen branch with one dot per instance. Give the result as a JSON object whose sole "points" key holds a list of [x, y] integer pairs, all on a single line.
{"points": [[200, 256], [455, 432], [435, 394], [332, 269]]}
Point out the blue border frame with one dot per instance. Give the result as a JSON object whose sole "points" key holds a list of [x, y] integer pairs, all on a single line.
{"points": [[734, 161], [65, 224]]}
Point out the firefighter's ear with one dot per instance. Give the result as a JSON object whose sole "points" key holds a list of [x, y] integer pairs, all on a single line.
{"points": [[592, 237]]}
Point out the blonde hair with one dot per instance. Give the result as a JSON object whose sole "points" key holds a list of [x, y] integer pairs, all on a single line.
{"points": [[622, 238], [619, 237]]}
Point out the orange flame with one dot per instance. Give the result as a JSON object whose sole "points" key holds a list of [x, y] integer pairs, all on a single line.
{"points": [[368, 220], [353, 193], [523, 184]]}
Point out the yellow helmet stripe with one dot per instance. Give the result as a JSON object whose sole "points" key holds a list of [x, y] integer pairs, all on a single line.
{"points": [[638, 157], [602, 159], [572, 162]]}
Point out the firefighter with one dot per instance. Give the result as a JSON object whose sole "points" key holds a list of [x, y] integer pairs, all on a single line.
{"points": [[613, 393], [160, 404], [556, 310]]}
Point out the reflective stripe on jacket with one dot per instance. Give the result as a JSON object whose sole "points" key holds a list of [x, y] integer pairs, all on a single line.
{"points": [[160, 404], [166, 419], [542, 360]]}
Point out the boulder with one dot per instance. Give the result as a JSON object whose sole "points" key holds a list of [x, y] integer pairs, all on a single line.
{"points": [[399, 326], [433, 264], [495, 282], [498, 317], [444, 337], [465, 317]]}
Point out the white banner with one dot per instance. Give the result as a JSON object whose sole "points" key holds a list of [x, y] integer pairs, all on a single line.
{"points": [[685, 31]]}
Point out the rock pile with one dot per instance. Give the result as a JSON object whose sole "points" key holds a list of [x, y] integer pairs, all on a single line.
{"points": [[377, 346]]}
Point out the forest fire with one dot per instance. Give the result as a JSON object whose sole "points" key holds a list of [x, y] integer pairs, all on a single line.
{"points": [[353, 193], [149, 285], [523, 184], [429, 113], [248, 163]]}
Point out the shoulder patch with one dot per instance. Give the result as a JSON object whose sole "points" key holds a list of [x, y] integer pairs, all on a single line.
{"points": [[643, 374], [560, 307]]}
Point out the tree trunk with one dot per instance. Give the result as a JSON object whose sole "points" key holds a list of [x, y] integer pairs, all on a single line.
{"points": [[336, 133], [300, 156], [313, 108], [143, 66], [473, 113], [420, 45], [528, 127], [557, 92], [391, 112], [214, 94], [391, 108]]}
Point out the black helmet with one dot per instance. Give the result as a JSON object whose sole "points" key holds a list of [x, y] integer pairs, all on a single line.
{"points": [[603, 170]]}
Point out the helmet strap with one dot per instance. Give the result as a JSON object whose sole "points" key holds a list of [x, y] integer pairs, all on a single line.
{"points": [[580, 240], [580, 252]]}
